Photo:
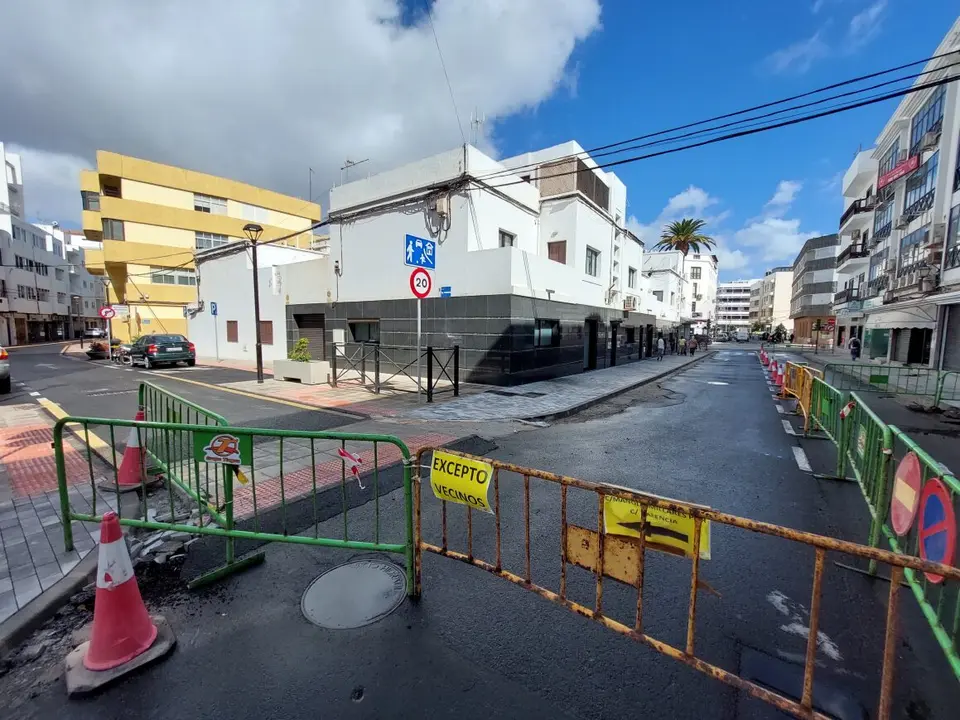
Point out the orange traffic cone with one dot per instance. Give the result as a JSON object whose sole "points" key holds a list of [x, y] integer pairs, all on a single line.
{"points": [[131, 472], [122, 629], [773, 371], [779, 379]]}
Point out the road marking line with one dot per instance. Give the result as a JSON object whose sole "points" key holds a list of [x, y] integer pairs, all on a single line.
{"points": [[801, 457], [96, 442], [255, 396], [787, 427], [780, 409]]}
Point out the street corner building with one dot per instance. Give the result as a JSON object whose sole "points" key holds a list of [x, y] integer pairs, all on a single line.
{"points": [[145, 221], [898, 263], [532, 273]]}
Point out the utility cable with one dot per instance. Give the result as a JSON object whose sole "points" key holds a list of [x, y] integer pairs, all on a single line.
{"points": [[445, 75]]}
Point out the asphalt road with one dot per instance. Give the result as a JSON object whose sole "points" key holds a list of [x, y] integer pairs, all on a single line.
{"points": [[476, 646], [102, 389]]}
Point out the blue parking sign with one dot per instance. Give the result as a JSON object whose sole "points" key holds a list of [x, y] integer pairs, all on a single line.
{"points": [[420, 252], [213, 309]]}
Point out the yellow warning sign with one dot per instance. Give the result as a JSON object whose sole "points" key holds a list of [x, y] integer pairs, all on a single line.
{"points": [[461, 480], [671, 528]]}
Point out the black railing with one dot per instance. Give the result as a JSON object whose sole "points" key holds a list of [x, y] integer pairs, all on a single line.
{"points": [[883, 232], [878, 285], [846, 295], [953, 257], [857, 206], [956, 178], [364, 366], [853, 250], [923, 204]]}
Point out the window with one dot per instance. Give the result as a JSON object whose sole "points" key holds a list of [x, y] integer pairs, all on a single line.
{"points": [[920, 185], [546, 333], [889, 160], [693, 306], [631, 335], [26, 292], [658, 294], [57, 247], [112, 229], [90, 200], [43, 295], [176, 276], [42, 269], [266, 332], [21, 261], [507, 239], [62, 298], [593, 262], [883, 221], [110, 190], [557, 251], [59, 274], [365, 330], [17, 233], [928, 118], [205, 240], [695, 287], [232, 331], [953, 238], [39, 241], [209, 204], [910, 250], [631, 277], [695, 273]]}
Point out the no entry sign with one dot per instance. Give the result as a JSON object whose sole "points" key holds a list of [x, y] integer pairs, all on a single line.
{"points": [[906, 494], [420, 283], [107, 312], [938, 526]]}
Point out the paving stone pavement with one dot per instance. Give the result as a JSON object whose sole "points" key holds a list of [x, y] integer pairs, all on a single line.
{"points": [[32, 553], [549, 397]]}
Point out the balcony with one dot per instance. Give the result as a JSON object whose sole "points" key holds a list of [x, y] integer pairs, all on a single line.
{"points": [[877, 285], [846, 295], [861, 173], [862, 205], [921, 205], [851, 254]]}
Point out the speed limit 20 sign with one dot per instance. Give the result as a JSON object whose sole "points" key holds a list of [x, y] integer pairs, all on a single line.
{"points": [[420, 283]]}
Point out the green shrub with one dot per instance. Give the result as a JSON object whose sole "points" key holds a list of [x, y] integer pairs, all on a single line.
{"points": [[300, 351]]}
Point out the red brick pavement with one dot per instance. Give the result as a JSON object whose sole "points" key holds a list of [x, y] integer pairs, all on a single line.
{"points": [[300, 483], [27, 453]]}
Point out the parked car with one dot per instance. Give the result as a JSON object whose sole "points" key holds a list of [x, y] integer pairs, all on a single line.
{"points": [[4, 372], [94, 333], [153, 350], [743, 336]]}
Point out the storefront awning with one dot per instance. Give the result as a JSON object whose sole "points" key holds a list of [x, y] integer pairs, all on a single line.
{"points": [[921, 317]]}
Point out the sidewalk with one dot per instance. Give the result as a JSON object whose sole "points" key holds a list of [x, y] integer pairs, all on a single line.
{"points": [[936, 435], [32, 555], [556, 397]]}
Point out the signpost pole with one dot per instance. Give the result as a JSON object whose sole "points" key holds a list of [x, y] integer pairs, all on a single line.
{"points": [[419, 383], [216, 338], [109, 338]]}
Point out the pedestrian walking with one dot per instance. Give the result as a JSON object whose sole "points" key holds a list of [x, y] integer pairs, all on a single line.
{"points": [[692, 346], [683, 346], [854, 347], [661, 346]]}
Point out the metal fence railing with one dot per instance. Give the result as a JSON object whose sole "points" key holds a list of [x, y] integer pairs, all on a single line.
{"points": [[866, 377], [260, 485], [864, 447], [398, 368], [825, 404]]}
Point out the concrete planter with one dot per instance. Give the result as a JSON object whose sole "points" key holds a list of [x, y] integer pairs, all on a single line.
{"points": [[314, 372]]}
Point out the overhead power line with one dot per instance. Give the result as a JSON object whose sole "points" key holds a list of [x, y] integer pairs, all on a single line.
{"points": [[443, 65], [754, 131], [725, 116]]}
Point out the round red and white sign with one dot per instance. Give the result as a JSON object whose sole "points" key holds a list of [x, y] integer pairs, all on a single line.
{"points": [[905, 498], [420, 283], [107, 312]]}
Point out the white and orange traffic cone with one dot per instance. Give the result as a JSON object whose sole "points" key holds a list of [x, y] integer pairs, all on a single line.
{"points": [[773, 371], [779, 379], [131, 473], [123, 636]]}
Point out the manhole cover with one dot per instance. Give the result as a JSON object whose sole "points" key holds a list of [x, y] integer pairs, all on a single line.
{"points": [[355, 594]]}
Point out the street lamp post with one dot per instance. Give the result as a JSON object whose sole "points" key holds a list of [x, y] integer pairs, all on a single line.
{"points": [[76, 298], [253, 232]]}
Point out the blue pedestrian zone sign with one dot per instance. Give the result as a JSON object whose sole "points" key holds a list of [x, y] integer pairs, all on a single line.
{"points": [[419, 252]]}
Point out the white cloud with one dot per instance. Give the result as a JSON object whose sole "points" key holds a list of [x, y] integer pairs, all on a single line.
{"points": [[773, 240], [799, 57], [786, 192], [817, 6], [691, 202], [261, 91], [865, 25]]}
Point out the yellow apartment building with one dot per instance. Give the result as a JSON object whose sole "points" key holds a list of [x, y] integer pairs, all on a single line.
{"points": [[151, 218]]}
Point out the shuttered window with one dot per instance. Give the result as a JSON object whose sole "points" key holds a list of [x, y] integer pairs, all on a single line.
{"points": [[557, 251], [232, 331], [266, 332]]}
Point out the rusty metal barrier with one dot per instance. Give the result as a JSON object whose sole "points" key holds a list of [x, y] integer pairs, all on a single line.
{"points": [[622, 557]]}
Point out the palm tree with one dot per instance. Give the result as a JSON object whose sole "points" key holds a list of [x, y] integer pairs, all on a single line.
{"points": [[684, 235]]}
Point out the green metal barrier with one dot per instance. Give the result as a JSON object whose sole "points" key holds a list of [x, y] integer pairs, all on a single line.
{"points": [[940, 603], [271, 496], [825, 404], [865, 377], [949, 388]]}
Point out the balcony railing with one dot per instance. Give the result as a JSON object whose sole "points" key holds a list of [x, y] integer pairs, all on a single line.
{"points": [[883, 232], [858, 206], [923, 204], [847, 295], [956, 178], [877, 285], [853, 250]]}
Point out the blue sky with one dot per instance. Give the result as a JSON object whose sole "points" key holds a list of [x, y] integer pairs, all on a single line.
{"points": [[655, 65]]}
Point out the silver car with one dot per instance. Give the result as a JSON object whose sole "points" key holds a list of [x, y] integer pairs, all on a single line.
{"points": [[4, 371]]}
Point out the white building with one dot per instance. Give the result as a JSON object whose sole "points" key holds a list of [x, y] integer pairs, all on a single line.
{"points": [[775, 296], [535, 274], [905, 200], [733, 305]]}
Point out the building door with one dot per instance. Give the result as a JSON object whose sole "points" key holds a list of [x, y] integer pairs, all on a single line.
{"points": [[918, 350], [312, 327], [901, 344], [590, 345], [951, 339], [21, 326], [614, 328]]}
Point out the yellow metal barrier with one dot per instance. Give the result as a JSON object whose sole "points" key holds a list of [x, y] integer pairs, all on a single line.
{"points": [[607, 531], [805, 397], [791, 380]]}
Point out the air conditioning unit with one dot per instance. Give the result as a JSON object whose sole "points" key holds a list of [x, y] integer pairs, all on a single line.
{"points": [[937, 234], [857, 234], [902, 222], [629, 303], [902, 156], [928, 284], [869, 202], [929, 140], [907, 280], [888, 296], [890, 266]]}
